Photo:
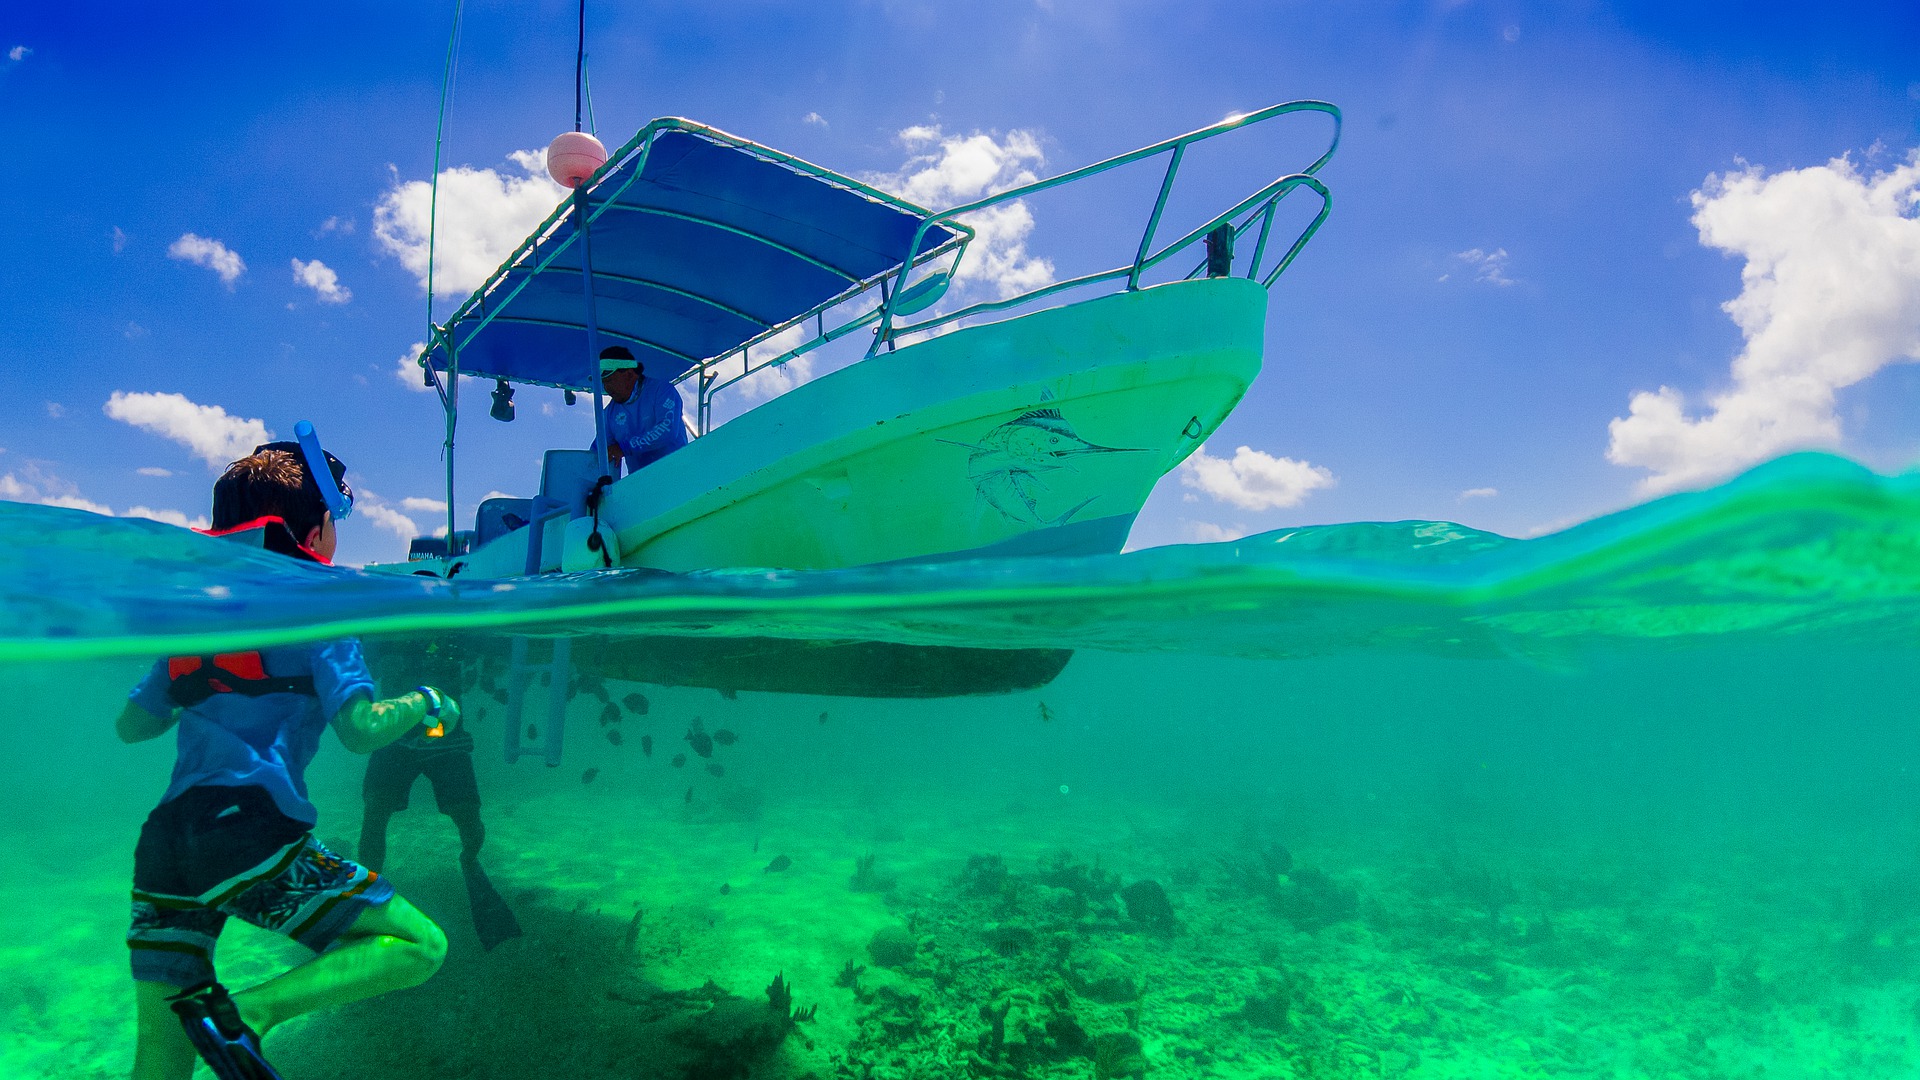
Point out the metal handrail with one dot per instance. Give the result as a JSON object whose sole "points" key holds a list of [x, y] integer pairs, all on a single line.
{"points": [[1260, 206], [1177, 148]]}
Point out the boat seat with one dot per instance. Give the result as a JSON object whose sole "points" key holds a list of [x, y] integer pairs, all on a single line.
{"points": [[567, 475], [498, 517]]}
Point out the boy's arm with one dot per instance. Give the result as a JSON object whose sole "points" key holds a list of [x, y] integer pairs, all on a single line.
{"points": [[366, 725], [136, 724]]}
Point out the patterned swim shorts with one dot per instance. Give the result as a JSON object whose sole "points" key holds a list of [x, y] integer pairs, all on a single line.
{"points": [[215, 852]]}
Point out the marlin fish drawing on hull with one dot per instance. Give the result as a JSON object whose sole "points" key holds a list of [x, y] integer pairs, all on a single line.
{"points": [[1006, 464]]}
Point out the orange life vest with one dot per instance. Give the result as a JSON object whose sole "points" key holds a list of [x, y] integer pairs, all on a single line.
{"points": [[194, 679]]}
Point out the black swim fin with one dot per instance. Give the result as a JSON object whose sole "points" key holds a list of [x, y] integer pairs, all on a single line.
{"points": [[492, 919], [224, 1041]]}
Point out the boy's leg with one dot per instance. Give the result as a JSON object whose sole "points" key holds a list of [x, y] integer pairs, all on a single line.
{"points": [[391, 946], [163, 1052]]}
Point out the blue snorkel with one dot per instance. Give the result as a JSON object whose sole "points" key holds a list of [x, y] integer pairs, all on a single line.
{"points": [[337, 503]]}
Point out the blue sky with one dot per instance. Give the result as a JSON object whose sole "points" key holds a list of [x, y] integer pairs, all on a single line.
{"points": [[1514, 252]]}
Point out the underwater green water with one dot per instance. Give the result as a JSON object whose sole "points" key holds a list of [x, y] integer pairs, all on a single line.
{"points": [[1635, 800]]}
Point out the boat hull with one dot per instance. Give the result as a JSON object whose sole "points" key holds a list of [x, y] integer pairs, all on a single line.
{"points": [[1041, 435]]}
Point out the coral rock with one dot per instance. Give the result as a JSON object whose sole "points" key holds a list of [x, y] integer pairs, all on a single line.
{"points": [[892, 946]]}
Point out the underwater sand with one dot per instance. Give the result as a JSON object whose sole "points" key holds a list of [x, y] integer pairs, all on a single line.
{"points": [[1638, 800]]}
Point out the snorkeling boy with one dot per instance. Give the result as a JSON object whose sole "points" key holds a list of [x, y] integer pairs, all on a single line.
{"points": [[233, 836]]}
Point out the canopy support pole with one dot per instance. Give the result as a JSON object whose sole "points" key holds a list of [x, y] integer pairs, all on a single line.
{"points": [[593, 329], [453, 422]]}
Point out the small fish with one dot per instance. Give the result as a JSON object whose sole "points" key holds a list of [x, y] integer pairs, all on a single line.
{"points": [[587, 777], [1046, 714], [479, 713], [610, 715], [778, 865], [632, 936], [716, 768], [756, 845], [679, 760], [636, 704], [696, 725], [701, 742], [689, 797], [729, 694], [613, 736], [823, 718], [725, 889], [499, 696], [646, 745], [725, 737], [533, 731]]}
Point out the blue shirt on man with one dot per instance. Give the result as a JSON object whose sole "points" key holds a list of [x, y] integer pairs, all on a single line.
{"points": [[647, 426], [232, 740]]}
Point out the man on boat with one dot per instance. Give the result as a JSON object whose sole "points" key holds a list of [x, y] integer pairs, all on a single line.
{"points": [[233, 835], [643, 417]]}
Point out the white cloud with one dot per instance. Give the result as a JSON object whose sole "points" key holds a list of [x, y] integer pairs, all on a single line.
{"points": [[1487, 266], [814, 118], [212, 254], [395, 522], [1830, 294], [19, 53], [946, 170], [119, 240], [768, 383], [171, 517], [213, 435], [321, 278], [34, 484], [396, 518], [483, 215], [134, 332], [55, 410], [336, 223], [1208, 533], [409, 371], [1479, 493], [1253, 479], [153, 470]]}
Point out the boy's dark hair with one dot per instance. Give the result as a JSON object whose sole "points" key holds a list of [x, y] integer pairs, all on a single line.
{"points": [[270, 482], [616, 352]]}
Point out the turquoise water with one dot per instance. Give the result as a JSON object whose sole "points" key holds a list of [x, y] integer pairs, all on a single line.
{"points": [[1633, 800]]}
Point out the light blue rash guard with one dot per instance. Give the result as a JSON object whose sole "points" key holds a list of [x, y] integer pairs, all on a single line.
{"points": [[647, 426], [232, 740]]}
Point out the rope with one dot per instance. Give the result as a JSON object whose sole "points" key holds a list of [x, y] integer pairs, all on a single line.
{"points": [[439, 136], [587, 78], [580, 66], [449, 397]]}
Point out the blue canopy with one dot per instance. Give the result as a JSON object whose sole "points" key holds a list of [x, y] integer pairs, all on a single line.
{"points": [[700, 242]]}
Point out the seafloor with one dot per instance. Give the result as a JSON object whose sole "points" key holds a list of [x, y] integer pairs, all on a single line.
{"points": [[1677, 866]]}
